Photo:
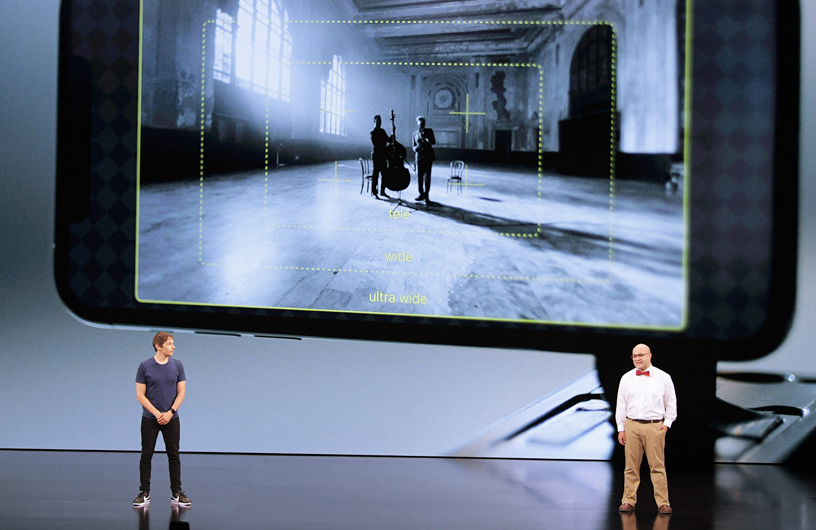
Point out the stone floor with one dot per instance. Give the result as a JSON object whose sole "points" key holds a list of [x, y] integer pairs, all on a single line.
{"points": [[506, 244]]}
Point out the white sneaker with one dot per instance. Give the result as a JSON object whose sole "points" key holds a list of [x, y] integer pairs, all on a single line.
{"points": [[180, 499], [143, 499]]}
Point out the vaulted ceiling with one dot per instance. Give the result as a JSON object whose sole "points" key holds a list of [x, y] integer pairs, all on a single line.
{"points": [[433, 30]]}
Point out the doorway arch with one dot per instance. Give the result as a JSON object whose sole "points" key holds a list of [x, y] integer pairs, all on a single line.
{"points": [[591, 73], [586, 136]]}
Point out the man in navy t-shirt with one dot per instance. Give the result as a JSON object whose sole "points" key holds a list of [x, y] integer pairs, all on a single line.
{"points": [[160, 388]]}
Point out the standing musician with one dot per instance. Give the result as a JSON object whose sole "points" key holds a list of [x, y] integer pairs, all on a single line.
{"points": [[423, 141], [379, 155]]}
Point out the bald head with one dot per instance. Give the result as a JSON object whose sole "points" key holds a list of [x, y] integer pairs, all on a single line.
{"points": [[642, 357], [641, 348]]}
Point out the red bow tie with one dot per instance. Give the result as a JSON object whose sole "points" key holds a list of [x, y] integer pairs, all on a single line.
{"points": [[646, 373]]}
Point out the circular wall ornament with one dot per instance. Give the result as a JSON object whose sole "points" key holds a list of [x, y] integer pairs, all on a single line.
{"points": [[443, 99]]}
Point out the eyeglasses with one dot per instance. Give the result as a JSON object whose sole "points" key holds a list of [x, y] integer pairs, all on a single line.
{"points": [[639, 355]]}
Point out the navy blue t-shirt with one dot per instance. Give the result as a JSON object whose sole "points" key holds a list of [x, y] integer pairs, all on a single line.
{"points": [[161, 381]]}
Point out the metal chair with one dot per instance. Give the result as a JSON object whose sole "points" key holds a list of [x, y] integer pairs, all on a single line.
{"points": [[457, 168], [365, 168]]}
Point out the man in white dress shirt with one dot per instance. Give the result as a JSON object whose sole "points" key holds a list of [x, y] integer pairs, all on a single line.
{"points": [[646, 409]]}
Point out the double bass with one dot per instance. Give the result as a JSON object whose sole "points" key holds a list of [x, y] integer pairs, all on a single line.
{"points": [[396, 177]]}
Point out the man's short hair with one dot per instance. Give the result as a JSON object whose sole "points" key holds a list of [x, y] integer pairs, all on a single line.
{"points": [[160, 338], [421, 118], [377, 117]]}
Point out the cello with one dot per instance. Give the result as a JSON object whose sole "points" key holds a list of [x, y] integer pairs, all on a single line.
{"points": [[396, 177]]}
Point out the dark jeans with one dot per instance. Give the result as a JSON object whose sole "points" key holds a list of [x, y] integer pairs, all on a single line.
{"points": [[171, 434], [380, 165], [424, 177]]}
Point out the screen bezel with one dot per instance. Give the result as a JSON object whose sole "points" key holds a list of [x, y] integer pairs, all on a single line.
{"points": [[74, 133]]}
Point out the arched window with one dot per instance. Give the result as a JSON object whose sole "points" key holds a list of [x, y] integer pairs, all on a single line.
{"points": [[255, 53], [591, 72], [333, 99]]}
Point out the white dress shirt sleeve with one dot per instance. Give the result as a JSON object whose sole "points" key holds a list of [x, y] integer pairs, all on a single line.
{"points": [[669, 402]]}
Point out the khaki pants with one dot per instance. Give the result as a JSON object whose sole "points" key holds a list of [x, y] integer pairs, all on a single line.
{"points": [[644, 438]]}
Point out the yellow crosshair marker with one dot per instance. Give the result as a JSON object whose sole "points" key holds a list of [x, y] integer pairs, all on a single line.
{"points": [[467, 113], [465, 182], [335, 179]]}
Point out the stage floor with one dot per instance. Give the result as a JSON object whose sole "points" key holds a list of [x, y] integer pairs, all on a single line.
{"points": [[88, 490]]}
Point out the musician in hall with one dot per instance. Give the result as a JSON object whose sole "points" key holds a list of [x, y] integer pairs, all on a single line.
{"points": [[423, 141], [379, 156]]}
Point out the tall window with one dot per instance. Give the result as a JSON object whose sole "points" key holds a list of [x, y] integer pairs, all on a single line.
{"points": [[591, 72], [255, 54], [333, 99], [222, 68]]}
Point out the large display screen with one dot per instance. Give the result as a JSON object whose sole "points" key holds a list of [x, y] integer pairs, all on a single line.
{"points": [[558, 170]]}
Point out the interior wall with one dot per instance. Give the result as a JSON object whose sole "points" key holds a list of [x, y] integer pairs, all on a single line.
{"points": [[238, 122], [513, 99], [647, 96], [172, 49]]}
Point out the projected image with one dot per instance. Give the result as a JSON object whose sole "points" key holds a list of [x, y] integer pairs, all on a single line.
{"points": [[447, 159]]}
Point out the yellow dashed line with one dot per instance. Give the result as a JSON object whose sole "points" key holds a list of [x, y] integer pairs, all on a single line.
{"points": [[612, 182], [469, 22], [201, 141], [433, 274], [392, 230]]}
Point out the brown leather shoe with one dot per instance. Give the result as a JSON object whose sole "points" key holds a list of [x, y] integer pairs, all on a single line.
{"points": [[665, 509], [627, 508]]}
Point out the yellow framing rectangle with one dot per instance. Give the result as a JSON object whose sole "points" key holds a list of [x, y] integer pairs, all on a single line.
{"points": [[687, 155]]}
